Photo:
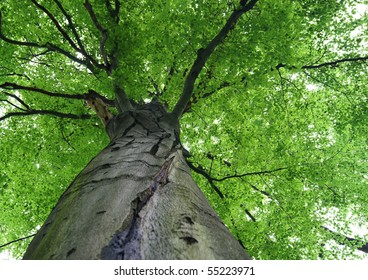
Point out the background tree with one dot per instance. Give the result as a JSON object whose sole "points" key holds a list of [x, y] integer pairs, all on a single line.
{"points": [[275, 109]]}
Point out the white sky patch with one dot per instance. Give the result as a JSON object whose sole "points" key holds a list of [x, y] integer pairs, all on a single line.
{"points": [[2, 111], [6, 255], [359, 10], [311, 87], [215, 140], [79, 55], [216, 121], [330, 214]]}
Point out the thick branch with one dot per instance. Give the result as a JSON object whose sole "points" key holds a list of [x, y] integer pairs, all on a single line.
{"points": [[204, 54], [45, 112], [122, 101]]}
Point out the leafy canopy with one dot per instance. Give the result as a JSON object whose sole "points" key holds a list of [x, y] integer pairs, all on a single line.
{"points": [[276, 125]]}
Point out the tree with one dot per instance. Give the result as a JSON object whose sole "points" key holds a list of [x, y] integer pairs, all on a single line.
{"points": [[271, 101]]}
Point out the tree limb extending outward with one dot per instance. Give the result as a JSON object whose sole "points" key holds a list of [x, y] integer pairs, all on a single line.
{"points": [[45, 112], [200, 170], [330, 63], [204, 54], [86, 96], [104, 34], [17, 240]]}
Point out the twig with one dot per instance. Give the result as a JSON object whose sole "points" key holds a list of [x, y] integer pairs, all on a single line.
{"points": [[17, 240]]}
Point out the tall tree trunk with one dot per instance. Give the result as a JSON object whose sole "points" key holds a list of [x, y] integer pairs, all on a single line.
{"points": [[136, 200]]}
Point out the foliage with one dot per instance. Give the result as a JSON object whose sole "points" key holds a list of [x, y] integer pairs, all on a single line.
{"points": [[276, 125]]}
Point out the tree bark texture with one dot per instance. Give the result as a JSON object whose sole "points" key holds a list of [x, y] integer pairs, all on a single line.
{"points": [[136, 200]]}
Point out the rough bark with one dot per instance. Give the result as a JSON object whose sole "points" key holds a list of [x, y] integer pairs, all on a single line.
{"points": [[136, 200]]}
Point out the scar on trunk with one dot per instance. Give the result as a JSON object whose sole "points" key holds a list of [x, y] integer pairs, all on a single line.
{"points": [[101, 109]]}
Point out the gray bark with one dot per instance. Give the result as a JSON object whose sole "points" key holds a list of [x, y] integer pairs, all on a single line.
{"points": [[136, 200]]}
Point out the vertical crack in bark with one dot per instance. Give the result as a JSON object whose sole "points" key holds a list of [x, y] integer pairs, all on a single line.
{"points": [[156, 146], [125, 244]]}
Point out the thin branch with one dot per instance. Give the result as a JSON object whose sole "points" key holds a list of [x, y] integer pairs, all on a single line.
{"points": [[250, 215], [169, 78], [363, 248], [331, 63], [55, 48], [13, 86], [204, 54], [258, 190], [14, 42], [104, 34], [57, 25], [76, 35], [45, 112], [249, 174], [12, 104], [48, 46], [13, 74], [329, 86], [114, 13], [91, 93], [17, 240], [202, 172], [223, 85], [158, 93], [17, 98], [336, 62], [72, 26], [66, 137]]}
